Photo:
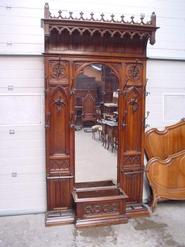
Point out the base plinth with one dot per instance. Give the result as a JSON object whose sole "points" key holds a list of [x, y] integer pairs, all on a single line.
{"points": [[137, 210], [60, 217]]}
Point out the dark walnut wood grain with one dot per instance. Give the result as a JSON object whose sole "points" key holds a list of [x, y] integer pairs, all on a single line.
{"points": [[72, 44], [166, 166], [100, 206]]}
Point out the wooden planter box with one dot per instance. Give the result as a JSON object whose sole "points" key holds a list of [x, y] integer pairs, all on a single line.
{"points": [[95, 185], [100, 206]]}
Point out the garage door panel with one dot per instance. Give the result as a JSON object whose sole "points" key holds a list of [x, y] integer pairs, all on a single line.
{"points": [[19, 139], [24, 142], [22, 165], [23, 152], [22, 178], [23, 74], [23, 206], [11, 88], [22, 48], [22, 132], [21, 109], [26, 72], [18, 168], [23, 196], [13, 134]]}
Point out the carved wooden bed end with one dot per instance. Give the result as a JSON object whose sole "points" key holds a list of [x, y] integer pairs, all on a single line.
{"points": [[165, 169], [167, 177]]}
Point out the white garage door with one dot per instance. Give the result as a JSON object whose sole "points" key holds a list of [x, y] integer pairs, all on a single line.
{"points": [[22, 162]]}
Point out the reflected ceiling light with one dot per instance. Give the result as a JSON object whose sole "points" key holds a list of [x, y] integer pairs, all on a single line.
{"points": [[97, 67]]}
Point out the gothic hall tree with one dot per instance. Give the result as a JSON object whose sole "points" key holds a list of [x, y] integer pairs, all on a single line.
{"points": [[111, 56]]}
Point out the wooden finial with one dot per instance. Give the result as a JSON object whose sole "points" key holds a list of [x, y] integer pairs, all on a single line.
{"points": [[92, 16], [46, 10], [102, 17], [153, 19]]}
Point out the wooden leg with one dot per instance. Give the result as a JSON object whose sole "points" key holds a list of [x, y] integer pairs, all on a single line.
{"points": [[111, 144], [103, 139], [154, 202], [93, 135], [108, 142], [99, 135]]}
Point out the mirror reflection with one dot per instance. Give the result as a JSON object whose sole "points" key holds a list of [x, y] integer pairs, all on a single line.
{"points": [[96, 124]]}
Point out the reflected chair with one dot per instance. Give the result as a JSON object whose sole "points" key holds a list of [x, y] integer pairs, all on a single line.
{"points": [[89, 109]]}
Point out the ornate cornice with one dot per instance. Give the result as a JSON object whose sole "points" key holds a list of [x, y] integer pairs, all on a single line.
{"points": [[101, 26]]}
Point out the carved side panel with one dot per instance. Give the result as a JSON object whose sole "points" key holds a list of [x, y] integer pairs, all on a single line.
{"points": [[133, 185], [58, 72], [59, 121], [133, 119], [59, 193]]}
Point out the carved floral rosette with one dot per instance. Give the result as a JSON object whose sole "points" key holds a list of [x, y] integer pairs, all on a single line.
{"points": [[58, 72]]}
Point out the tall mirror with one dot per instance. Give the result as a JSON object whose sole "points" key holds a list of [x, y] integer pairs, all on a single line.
{"points": [[96, 124]]}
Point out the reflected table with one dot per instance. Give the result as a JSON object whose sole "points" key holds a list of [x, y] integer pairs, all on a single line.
{"points": [[109, 133]]}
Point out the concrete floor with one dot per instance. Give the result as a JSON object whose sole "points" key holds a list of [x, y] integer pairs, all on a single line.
{"points": [[165, 227], [93, 162]]}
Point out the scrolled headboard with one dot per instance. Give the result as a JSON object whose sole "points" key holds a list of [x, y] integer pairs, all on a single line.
{"points": [[164, 143]]}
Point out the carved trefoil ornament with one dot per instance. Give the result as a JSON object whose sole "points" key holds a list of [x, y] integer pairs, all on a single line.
{"points": [[134, 72], [59, 102], [58, 71], [133, 97], [134, 103]]}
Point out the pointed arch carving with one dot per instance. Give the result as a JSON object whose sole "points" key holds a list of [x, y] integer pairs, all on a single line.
{"points": [[79, 67], [59, 108]]}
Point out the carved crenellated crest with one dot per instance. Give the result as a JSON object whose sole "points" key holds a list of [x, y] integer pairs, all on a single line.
{"points": [[94, 30]]}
